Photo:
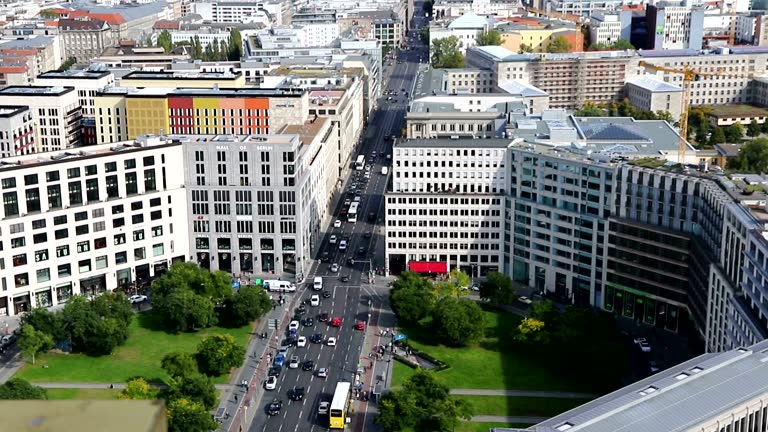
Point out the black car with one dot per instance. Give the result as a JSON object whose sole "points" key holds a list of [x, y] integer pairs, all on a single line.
{"points": [[301, 310], [297, 393], [327, 294], [308, 322], [344, 278], [316, 338], [367, 235], [325, 257], [308, 365], [361, 250], [323, 317], [371, 217], [350, 261], [275, 371], [296, 317], [274, 407]]}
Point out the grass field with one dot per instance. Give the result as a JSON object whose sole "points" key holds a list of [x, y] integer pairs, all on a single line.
{"points": [[494, 363], [521, 406], [139, 357], [82, 394], [484, 427]]}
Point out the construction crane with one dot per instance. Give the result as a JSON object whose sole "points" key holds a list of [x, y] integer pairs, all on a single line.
{"points": [[689, 76]]}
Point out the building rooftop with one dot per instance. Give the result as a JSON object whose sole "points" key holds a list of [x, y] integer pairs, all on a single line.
{"points": [[520, 88], [729, 111], [173, 75], [430, 82], [675, 400], [128, 11], [213, 92], [35, 91], [38, 41], [78, 74], [653, 84], [81, 24], [471, 21], [11, 110], [449, 142]]}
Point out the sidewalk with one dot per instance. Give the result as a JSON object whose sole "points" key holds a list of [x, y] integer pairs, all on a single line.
{"points": [[524, 393], [508, 419], [118, 386]]}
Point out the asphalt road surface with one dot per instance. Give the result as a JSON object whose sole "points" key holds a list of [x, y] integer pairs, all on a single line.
{"points": [[348, 300]]}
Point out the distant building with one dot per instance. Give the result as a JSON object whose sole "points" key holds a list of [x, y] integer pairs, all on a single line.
{"points": [[56, 111], [675, 27], [606, 28], [466, 28], [653, 95], [537, 34], [17, 131], [85, 39]]}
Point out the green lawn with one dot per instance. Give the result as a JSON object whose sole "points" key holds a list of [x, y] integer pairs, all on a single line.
{"points": [[485, 427], [494, 363], [521, 406], [82, 394], [139, 357]]}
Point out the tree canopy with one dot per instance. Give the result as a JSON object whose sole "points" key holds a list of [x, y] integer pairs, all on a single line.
{"points": [[422, 404], [753, 157], [235, 50], [559, 44], [179, 364], [424, 35], [446, 53], [196, 388], [497, 288], [619, 44], [458, 322], [185, 415], [31, 342], [621, 109], [19, 389], [139, 389], [490, 37], [411, 298], [248, 304], [218, 353]]}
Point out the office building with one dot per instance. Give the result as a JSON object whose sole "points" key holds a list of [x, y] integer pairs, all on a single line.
{"points": [[443, 9], [466, 29], [90, 221], [606, 28], [84, 39], [720, 392], [534, 34], [323, 34], [112, 114], [653, 95], [257, 203], [678, 26], [17, 131], [183, 79], [56, 111]]}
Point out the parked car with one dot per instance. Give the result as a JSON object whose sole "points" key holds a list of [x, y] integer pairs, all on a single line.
{"points": [[653, 366], [345, 278], [294, 325], [524, 299], [137, 298], [279, 360], [327, 294], [643, 344], [270, 383], [275, 371]]}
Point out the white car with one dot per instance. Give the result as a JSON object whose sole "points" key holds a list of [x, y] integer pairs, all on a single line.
{"points": [[347, 202], [137, 298], [337, 223], [525, 300], [301, 342], [323, 408], [357, 198], [643, 344], [343, 245], [331, 341], [270, 383], [333, 239], [314, 300], [294, 325], [322, 373], [334, 268], [294, 363]]}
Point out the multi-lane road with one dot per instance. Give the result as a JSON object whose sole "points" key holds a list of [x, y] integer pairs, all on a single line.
{"points": [[349, 300]]}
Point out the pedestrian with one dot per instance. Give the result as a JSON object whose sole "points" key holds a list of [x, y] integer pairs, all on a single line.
{"points": [[235, 398]]}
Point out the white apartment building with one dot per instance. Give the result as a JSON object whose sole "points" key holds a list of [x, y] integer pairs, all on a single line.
{"points": [[466, 28], [300, 36], [56, 111], [752, 29], [237, 11], [85, 82], [751, 323], [89, 222], [676, 27], [445, 208], [456, 8], [257, 203], [606, 28], [206, 36], [17, 131]]}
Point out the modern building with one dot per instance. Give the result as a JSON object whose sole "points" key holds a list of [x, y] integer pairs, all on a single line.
{"points": [[90, 221], [466, 29], [257, 203], [447, 9], [720, 392], [56, 111], [85, 39], [183, 79], [238, 11], [520, 34], [17, 131], [606, 28], [112, 114], [322, 34], [675, 26]]}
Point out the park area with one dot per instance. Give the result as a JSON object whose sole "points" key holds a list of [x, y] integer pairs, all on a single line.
{"points": [[499, 362], [147, 343]]}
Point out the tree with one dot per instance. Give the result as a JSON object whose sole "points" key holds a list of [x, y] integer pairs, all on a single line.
{"points": [[91, 332], [559, 44], [165, 41], [421, 404], [458, 322], [754, 129], [113, 305], [717, 137], [546, 312], [217, 354], [67, 65], [734, 133], [620, 44], [197, 52], [424, 35], [179, 364], [185, 311], [45, 321], [446, 53], [490, 37], [34, 341], [138, 388], [247, 305], [498, 288], [532, 330], [753, 157], [411, 298], [525, 48], [196, 388], [19, 389], [589, 109], [235, 45], [185, 415]]}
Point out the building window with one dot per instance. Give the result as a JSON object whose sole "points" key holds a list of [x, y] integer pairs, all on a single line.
{"points": [[19, 260], [84, 265], [30, 179], [75, 193], [121, 258], [101, 262], [149, 180], [83, 246], [138, 235], [40, 238], [62, 251], [21, 279], [112, 188], [73, 173], [41, 255], [158, 249], [10, 204], [43, 275], [131, 187], [139, 254], [100, 243], [54, 197], [119, 239], [92, 190], [65, 270], [157, 231]]}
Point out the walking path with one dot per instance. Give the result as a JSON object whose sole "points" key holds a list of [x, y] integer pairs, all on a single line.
{"points": [[524, 393], [508, 419], [119, 386]]}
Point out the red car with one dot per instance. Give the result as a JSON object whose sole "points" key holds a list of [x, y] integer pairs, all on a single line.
{"points": [[360, 325], [336, 322]]}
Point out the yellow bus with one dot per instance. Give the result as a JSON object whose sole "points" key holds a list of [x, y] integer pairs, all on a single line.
{"points": [[339, 405]]}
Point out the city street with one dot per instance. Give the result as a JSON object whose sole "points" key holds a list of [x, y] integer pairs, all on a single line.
{"points": [[349, 299]]}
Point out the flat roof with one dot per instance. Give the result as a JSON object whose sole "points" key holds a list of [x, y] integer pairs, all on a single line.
{"points": [[85, 415], [75, 74], [675, 400], [738, 111], [225, 93], [12, 110], [36, 90], [190, 76], [455, 143], [653, 84]]}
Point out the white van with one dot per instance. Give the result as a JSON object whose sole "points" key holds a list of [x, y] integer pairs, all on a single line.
{"points": [[384, 170], [318, 285], [279, 286]]}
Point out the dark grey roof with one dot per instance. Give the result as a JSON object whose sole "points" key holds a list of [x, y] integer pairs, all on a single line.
{"points": [[613, 132]]}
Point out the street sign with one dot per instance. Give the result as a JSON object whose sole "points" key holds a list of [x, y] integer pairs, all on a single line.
{"points": [[399, 336]]}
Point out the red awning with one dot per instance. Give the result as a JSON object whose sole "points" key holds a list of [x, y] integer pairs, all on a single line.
{"points": [[428, 267]]}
